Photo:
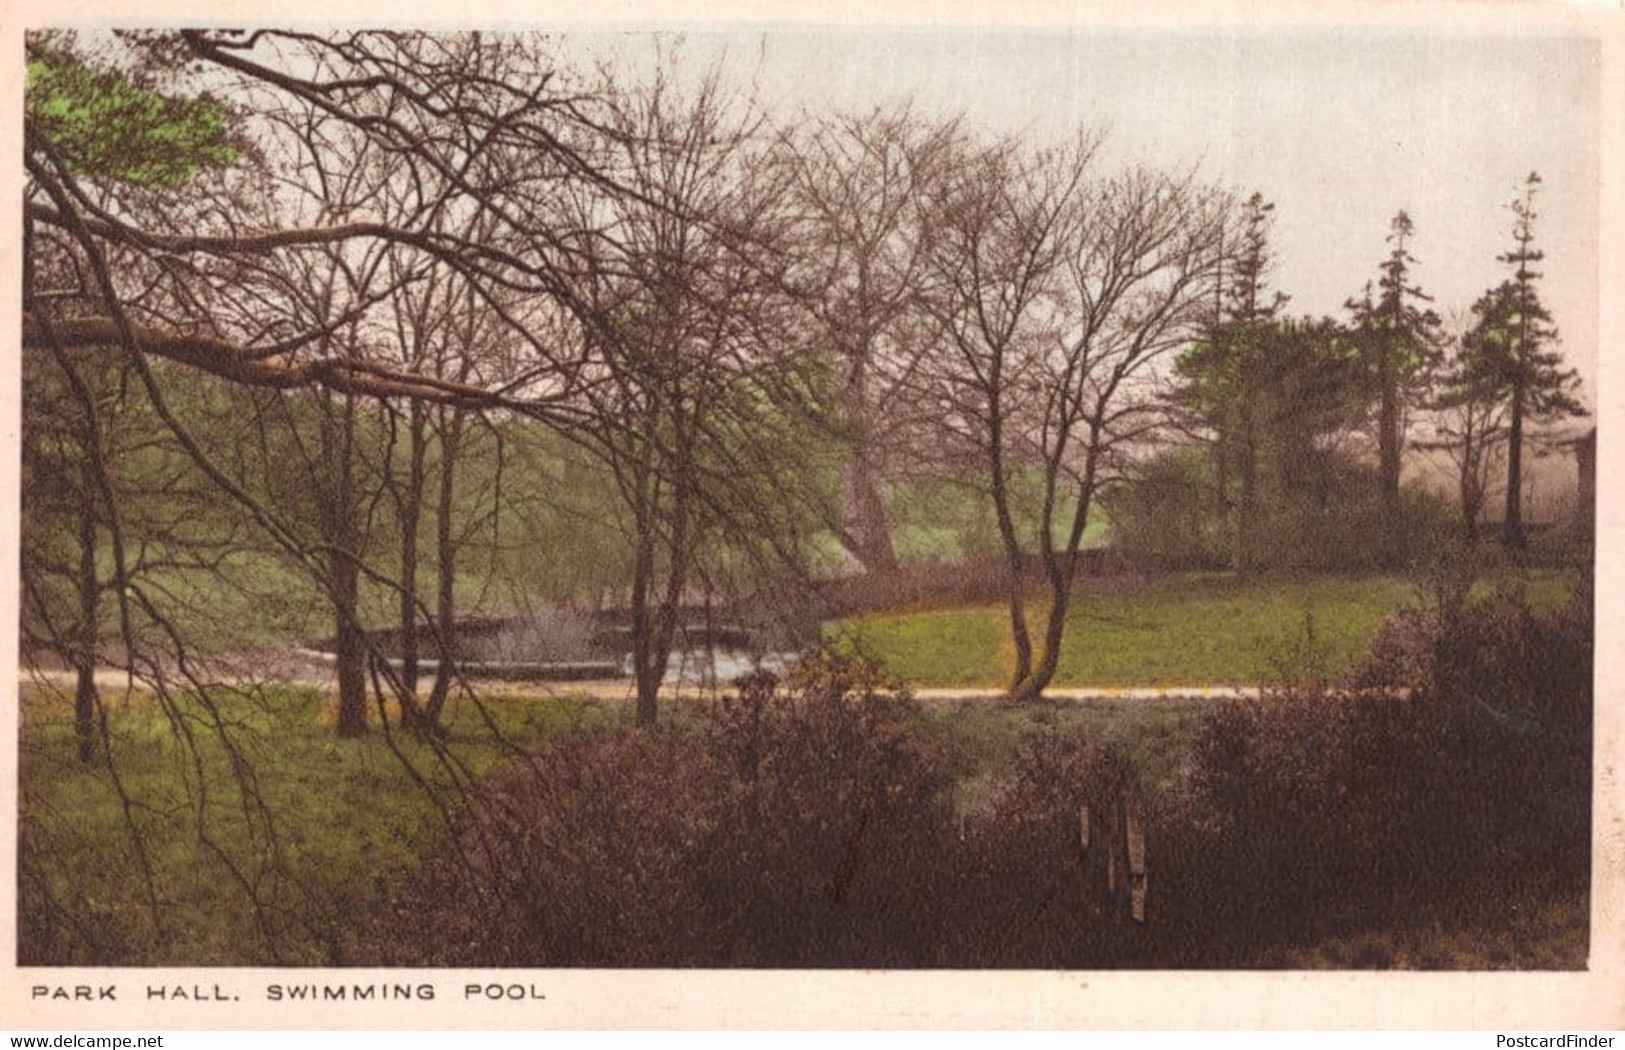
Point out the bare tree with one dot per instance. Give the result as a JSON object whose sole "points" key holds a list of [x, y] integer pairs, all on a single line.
{"points": [[1470, 425], [275, 291], [693, 373], [1056, 291], [859, 184]]}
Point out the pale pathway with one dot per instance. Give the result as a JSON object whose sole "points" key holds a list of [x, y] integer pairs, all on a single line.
{"points": [[112, 681]]}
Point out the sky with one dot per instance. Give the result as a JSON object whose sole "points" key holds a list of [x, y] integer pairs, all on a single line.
{"points": [[1340, 129]]}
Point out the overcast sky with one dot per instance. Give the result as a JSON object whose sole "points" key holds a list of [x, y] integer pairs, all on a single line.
{"points": [[1339, 129]]}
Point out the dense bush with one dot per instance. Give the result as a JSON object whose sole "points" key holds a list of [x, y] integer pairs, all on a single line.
{"points": [[1171, 516], [1460, 761], [810, 822], [1329, 518], [1023, 892], [774, 835], [803, 823]]}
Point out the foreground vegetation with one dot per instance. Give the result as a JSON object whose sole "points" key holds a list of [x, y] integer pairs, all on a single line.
{"points": [[830, 821], [349, 805]]}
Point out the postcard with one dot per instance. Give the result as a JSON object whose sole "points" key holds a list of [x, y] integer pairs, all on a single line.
{"points": [[948, 515]]}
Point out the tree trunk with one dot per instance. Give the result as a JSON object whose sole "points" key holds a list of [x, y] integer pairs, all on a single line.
{"points": [[865, 505], [648, 686], [1247, 515], [1470, 486], [866, 512], [451, 435], [1388, 455], [344, 574], [1007, 535], [1471, 501], [654, 623], [411, 510], [1512, 533], [351, 650], [1018, 614], [1032, 686], [84, 655], [1061, 567]]}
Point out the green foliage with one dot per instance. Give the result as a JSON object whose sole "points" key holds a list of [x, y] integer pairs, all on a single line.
{"points": [[1279, 385], [1171, 514], [1314, 511], [101, 125], [950, 520], [1509, 357], [186, 557], [349, 819], [1507, 352], [1271, 396]]}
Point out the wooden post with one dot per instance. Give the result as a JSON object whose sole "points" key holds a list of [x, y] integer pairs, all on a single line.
{"points": [[1139, 882], [1122, 876]]}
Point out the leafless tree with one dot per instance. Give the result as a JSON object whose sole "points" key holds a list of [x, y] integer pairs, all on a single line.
{"points": [[1470, 425], [255, 280], [859, 184], [478, 134], [1056, 290], [692, 373]]}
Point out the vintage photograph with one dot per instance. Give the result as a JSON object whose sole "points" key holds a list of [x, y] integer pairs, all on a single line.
{"points": [[762, 497]]}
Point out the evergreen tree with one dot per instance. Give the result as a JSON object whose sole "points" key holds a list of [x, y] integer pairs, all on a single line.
{"points": [[103, 126], [1222, 375], [1510, 354], [1398, 338]]}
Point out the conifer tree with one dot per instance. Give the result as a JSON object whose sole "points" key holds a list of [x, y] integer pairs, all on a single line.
{"points": [[1398, 339], [1220, 374], [1510, 353]]}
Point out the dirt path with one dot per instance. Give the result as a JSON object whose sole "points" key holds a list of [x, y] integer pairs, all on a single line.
{"points": [[113, 681]]}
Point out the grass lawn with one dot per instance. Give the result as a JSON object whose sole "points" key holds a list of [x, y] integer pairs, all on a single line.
{"points": [[347, 823], [1194, 630]]}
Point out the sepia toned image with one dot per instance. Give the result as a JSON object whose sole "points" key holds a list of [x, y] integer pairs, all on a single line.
{"points": [[771, 497]]}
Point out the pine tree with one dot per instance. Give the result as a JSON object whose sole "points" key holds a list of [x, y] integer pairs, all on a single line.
{"points": [[1510, 353], [1398, 337], [1247, 298], [1221, 373]]}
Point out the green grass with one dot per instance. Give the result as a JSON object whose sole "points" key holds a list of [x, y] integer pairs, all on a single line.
{"points": [[1193, 630], [348, 823], [948, 647]]}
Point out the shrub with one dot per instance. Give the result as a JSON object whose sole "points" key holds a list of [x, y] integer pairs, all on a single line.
{"points": [[805, 822], [1330, 517], [782, 833], [1170, 515], [832, 803], [808, 822], [1461, 761], [1024, 893]]}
